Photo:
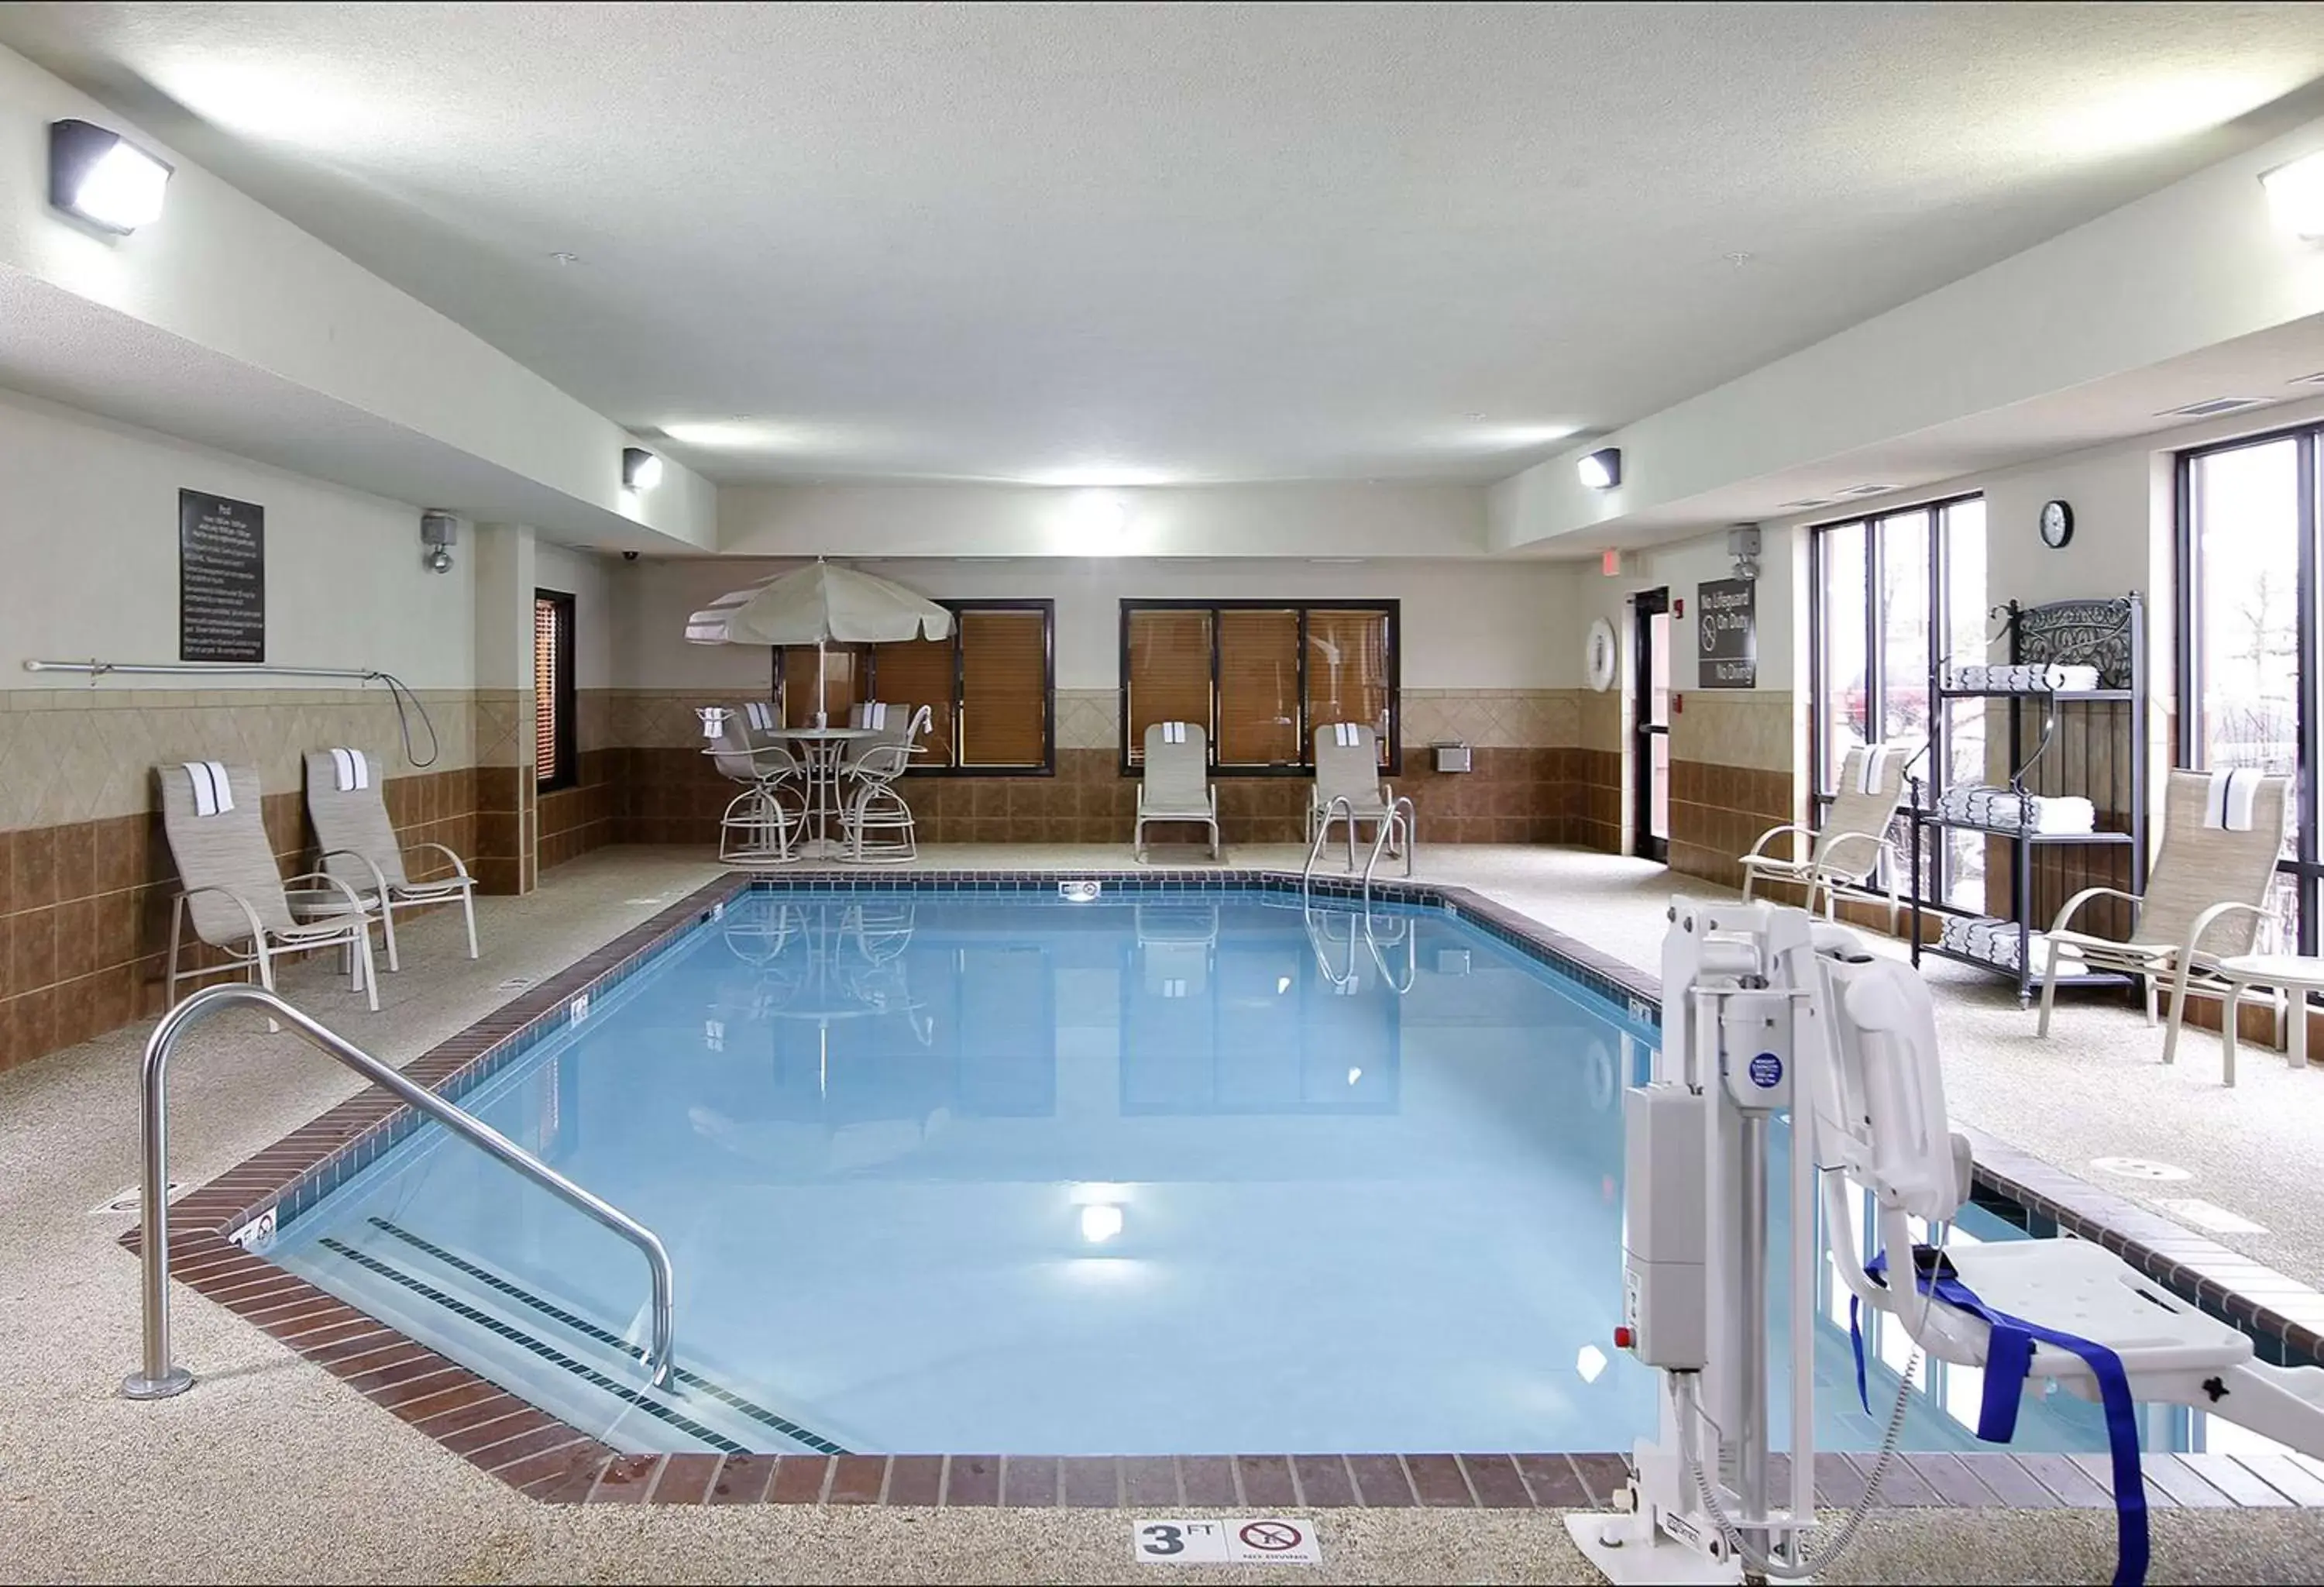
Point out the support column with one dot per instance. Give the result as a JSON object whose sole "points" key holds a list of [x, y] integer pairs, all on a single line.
{"points": [[507, 779]]}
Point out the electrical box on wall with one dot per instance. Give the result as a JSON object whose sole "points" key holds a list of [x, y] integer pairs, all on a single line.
{"points": [[1452, 757]]}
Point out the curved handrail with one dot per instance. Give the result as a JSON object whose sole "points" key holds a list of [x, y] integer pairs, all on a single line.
{"points": [[1381, 841], [1317, 936], [1411, 956], [159, 1378], [1324, 830]]}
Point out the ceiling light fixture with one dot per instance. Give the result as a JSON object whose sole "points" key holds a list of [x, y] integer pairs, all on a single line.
{"points": [[2295, 195], [1601, 470], [104, 178], [641, 469]]}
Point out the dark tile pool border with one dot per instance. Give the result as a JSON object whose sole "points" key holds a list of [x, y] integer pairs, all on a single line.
{"points": [[548, 1459]]}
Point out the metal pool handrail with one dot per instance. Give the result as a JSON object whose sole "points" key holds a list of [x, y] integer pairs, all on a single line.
{"points": [[1322, 831], [1381, 839], [158, 1377]]}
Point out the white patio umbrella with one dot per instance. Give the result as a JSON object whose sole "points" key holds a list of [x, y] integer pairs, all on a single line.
{"points": [[816, 605]]}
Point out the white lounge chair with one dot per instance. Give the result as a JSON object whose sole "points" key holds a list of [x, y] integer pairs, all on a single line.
{"points": [[360, 848], [1853, 851], [2206, 899], [233, 891], [1177, 784], [1347, 767]]}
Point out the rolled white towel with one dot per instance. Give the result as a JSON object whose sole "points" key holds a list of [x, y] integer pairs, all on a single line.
{"points": [[213, 791], [2227, 803], [350, 769], [875, 715], [760, 715]]}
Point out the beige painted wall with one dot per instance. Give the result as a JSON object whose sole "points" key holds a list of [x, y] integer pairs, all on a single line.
{"points": [[88, 516]]}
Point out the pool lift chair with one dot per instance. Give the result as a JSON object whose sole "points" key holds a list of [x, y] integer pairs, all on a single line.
{"points": [[1764, 1011]]}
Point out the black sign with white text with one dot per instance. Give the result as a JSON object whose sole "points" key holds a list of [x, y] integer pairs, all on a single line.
{"points": [[221, 579], [1725, 617]]}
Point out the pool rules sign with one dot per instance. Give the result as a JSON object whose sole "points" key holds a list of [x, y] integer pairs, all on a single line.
{"points": [[1727, 619], [221, 579]]}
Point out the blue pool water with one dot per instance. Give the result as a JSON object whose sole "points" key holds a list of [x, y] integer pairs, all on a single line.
{"points": [[1169, 1173]]}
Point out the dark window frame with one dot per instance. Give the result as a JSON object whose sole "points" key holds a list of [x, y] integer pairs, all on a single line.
{"points": [[1306, 766], [2306, 865], [567, 772], [1048, 608], [1929, 768]]}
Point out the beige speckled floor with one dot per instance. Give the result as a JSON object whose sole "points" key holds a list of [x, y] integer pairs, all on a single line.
{"points": [[271, 1469]]}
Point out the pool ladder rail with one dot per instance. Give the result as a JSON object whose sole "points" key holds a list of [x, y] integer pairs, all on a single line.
{"points": [[158, 1377], [1400, 813]]}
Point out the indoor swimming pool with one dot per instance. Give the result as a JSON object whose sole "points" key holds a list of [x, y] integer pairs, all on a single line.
{"points": [[1156, 1172]]}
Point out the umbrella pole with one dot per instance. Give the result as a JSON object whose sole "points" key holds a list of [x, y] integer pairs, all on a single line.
{"points": [[822, 715]]}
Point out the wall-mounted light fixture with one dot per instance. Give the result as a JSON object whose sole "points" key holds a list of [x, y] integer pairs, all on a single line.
{"points": [[1601, 470], [2295, 195], [103, 178], [439, 532], [641, 469]]}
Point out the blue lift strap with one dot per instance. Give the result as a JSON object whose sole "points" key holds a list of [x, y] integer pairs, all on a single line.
{"points": [[2008, 1361]]}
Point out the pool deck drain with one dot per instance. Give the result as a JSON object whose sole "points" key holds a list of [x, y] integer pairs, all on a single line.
{"points": [[549, 1460]]}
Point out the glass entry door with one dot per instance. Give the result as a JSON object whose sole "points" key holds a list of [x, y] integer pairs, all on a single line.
{"points": [[1650, 763]]}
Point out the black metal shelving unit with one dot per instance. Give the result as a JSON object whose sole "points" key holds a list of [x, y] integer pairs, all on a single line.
{"points": [[2059, 743]]}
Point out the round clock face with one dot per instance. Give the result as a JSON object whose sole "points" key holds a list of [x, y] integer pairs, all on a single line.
{"points": [[2057, 523]]}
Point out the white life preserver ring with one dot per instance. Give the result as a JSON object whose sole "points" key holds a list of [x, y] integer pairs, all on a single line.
{"points": [[1599, 658]]}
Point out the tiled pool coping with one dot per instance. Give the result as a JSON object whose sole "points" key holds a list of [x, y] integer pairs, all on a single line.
{"points": [[549, 1460]]}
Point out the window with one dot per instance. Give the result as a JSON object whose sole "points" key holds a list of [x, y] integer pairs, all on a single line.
{"points": [[990, 687], [553, 756], [2248, 663], [1889, 597], [1259, 677]]}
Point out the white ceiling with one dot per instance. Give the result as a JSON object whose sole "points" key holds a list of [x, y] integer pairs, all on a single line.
{"points": [[1176, 243]]}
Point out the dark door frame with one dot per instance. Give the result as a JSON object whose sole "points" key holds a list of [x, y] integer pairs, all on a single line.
{"points": [[1646, 605]]}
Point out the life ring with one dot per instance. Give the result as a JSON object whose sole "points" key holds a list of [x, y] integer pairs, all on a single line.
{"points": [[1600, 660]]}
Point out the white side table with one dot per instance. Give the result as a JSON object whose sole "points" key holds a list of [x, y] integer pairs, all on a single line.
{"points": [[2293, 976]]}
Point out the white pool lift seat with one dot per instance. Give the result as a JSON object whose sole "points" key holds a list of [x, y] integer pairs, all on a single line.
{"points": [[1880, 1120]]}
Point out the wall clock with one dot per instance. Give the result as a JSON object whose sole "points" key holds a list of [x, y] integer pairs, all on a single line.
{"points": [[2057, 524]]}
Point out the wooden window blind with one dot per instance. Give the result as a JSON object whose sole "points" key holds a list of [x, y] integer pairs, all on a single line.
{"points": [[842, 670], [1263, 675], [1259, 687], [553, 752], [1167, 671], [1004, 699], [1348, 670], [915, 673]]}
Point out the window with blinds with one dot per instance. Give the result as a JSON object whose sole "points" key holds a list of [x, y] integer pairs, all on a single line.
{"points": [[555, 762], [921, 672], [1004, 689], [1166, 674], [842, 672], [1262, 677], [1348, 670], [989, 689]]}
